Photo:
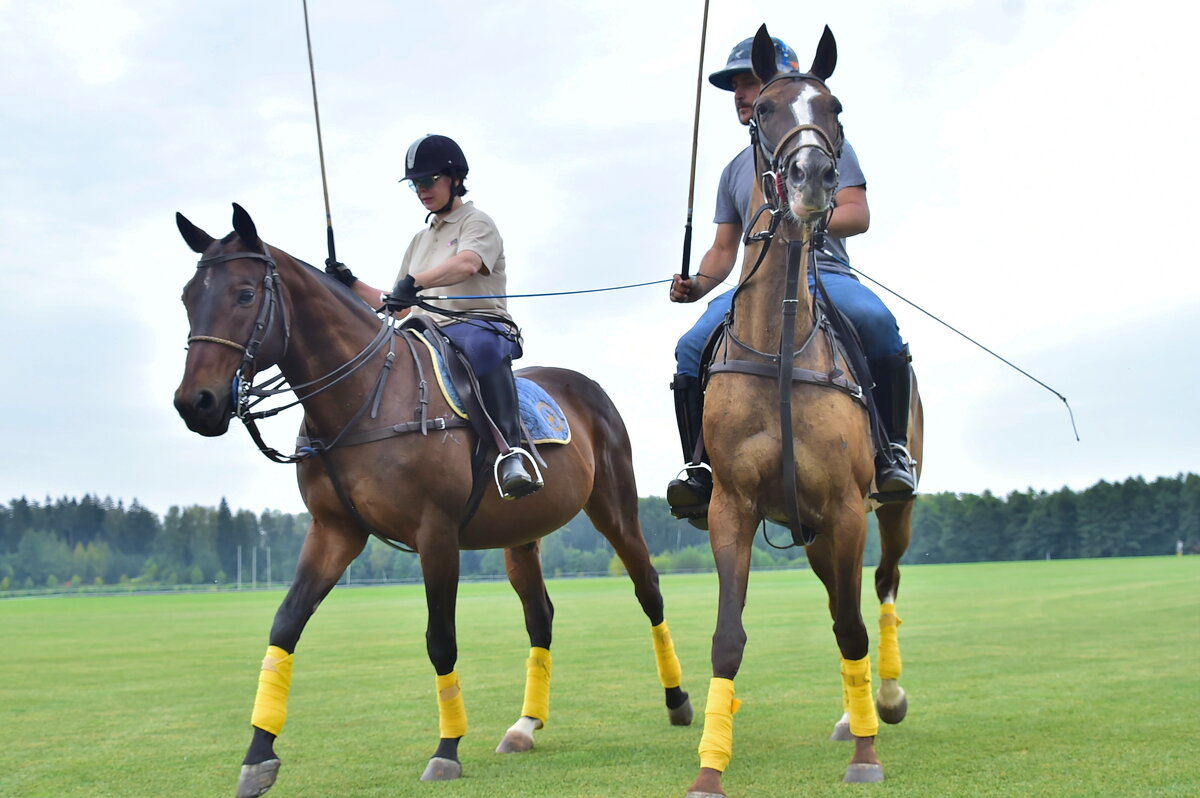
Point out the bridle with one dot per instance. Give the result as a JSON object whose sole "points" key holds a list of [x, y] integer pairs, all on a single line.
{"points": [[266, 317], [773, 156], [242, 389]]}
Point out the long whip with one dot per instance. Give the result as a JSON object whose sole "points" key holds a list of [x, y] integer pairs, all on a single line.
{"points": [[320, 145], [687, 229], [952, 329]]}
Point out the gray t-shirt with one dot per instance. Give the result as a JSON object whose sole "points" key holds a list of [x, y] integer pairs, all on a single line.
{"points": [[737, 187]]}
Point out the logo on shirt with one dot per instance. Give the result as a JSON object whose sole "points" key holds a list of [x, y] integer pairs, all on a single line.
{"points": [[452, 242]]}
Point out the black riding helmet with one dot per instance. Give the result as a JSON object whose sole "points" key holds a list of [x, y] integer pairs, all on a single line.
{"points": [[435, 155]]}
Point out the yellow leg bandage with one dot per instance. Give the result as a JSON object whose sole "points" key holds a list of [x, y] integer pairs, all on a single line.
{"points": [[452, 712], [716, 744], [670, 672], [889, 642], [274, 682], [856, 679], [537, 685]]}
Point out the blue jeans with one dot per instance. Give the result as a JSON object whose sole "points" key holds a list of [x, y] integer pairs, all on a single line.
{"points": [[875, 323], [485, 344]]}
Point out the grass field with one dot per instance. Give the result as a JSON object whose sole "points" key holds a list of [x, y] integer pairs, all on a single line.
{"points": [[1067, 678]]}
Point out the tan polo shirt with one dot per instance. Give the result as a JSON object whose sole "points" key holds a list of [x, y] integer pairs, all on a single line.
{"points": [[464, 229]]}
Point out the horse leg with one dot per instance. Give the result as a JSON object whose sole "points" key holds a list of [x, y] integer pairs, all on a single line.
{"points": [[731, 533], [895, 533], [439, 565], [821, 562], [614, 513], [323, 558], [847, 538], [524, 566]]}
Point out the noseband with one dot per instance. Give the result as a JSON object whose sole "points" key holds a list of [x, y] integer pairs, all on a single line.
{"points": [[262, 322]]}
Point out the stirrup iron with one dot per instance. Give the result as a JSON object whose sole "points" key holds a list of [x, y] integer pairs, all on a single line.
{"points": [[516, 451]]}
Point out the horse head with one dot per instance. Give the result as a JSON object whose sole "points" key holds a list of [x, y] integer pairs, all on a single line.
{"points": [[237, 321], [796, 127]]}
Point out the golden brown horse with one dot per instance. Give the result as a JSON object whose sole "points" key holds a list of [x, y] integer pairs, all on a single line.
{"points": [[788, 433], [391, 460]]}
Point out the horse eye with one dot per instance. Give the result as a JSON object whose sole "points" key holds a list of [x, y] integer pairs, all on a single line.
{"points": [[245, 296]]}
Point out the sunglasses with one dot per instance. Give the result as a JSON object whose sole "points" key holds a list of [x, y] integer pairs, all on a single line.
{"points": [[426, 183]]}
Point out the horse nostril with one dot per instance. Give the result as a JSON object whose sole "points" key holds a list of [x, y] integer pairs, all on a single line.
{"points": [[796, 175], [205, 400]]}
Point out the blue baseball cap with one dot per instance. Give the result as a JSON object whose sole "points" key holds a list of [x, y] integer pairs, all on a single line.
{"points": [[739, 62]]}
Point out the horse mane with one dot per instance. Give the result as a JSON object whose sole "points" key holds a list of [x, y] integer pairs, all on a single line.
{"points": [[339, 289]]}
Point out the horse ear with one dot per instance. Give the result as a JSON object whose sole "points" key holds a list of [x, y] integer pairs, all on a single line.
{"points": [[196, 238], [243, 225], [826, 57], [762, 55]]}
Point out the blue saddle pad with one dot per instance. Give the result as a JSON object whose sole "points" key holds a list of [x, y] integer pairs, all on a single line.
{"points": [[542, 416], [540, 413]]}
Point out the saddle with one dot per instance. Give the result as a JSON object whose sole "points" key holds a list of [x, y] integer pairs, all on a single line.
{"points": [[464, 387]]}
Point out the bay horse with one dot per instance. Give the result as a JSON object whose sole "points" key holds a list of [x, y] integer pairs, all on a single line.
{"points": [[809, 466], [403, 472]]}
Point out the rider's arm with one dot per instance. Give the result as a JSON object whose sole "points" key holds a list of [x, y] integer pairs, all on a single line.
{"points": [[851, 215], [715, 266], [451, 271], [368, 293]]}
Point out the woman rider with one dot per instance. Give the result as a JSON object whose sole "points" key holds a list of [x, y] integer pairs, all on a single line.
{"points": [[461, 247]]}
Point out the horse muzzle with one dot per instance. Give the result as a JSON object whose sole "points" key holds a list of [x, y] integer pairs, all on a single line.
{"points": [[205, 411], [811, 180]]}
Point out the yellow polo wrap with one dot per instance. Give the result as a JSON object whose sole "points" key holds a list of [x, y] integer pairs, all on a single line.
{"points": [[670, 672], [716, 744], [856, 679], [452, 712], [537, 685], [274, 682], [890, 665]]}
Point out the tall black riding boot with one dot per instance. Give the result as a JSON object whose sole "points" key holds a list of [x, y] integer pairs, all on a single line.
{"points": [[500, 398], [689, 493], [895, 477]]}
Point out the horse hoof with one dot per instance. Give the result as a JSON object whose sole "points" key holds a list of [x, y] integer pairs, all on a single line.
{"points": [[681, 715], [442, 769], [841, 732], [894, 713], [515, 742], [864, 774], [257, 779]]}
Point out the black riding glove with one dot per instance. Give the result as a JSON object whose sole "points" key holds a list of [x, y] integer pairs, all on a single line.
{"points": [[404, 295], [340, 271]]}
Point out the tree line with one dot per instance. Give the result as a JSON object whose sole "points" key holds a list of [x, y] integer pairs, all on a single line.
{"points": [[93, 543]]}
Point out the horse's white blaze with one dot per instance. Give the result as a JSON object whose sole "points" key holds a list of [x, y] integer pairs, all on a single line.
{"points": [[802, 106]]}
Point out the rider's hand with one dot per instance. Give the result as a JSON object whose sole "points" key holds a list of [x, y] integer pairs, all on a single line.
{"points": [[340, 271], [681, 289], [404, 295]]}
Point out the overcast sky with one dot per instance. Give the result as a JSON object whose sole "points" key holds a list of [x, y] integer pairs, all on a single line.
{"points": [[1031, 171]]}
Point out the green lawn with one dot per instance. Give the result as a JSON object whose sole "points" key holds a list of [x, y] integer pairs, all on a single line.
{"points": [[1066, 678]]}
